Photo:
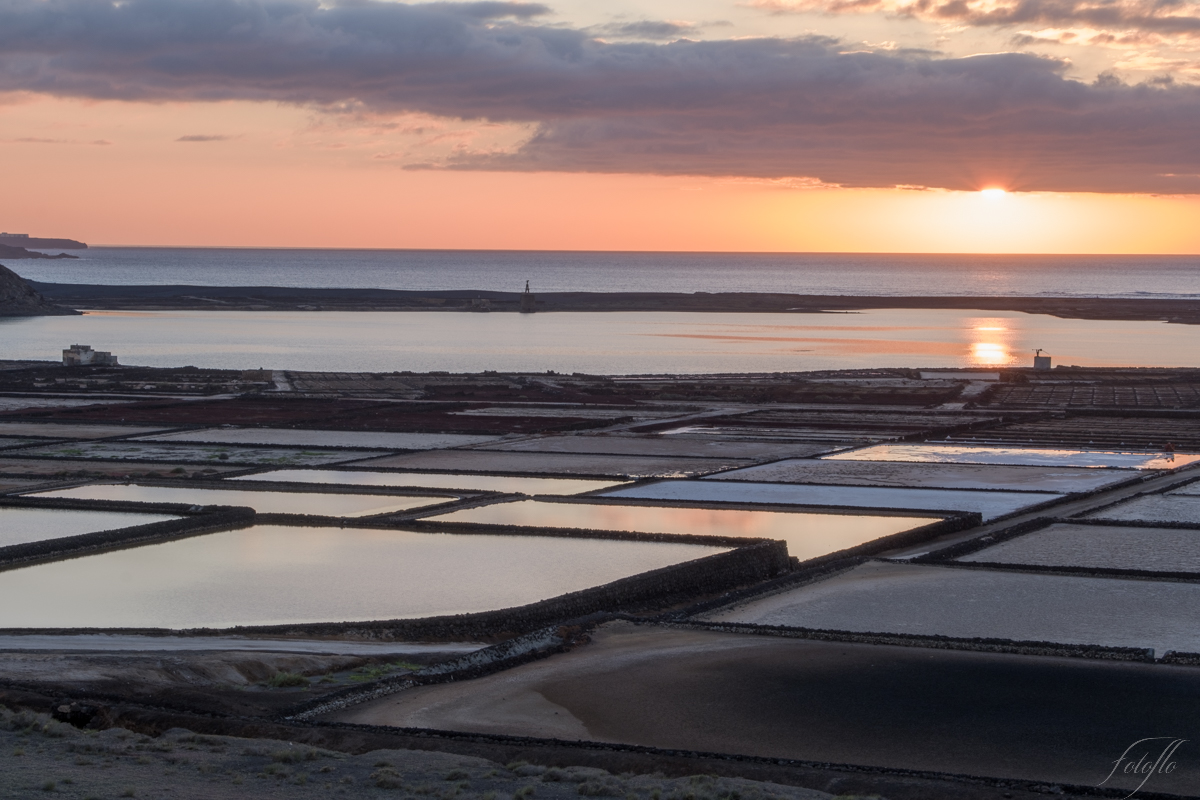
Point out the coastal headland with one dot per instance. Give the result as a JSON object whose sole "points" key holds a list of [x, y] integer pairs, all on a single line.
{"points": [[269, 298]]}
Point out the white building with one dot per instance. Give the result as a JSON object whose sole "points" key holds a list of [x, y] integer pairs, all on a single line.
{"points": [[82, 355]]}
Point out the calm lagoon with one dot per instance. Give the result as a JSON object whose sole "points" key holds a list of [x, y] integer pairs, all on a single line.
{"points": [[599, 342]]}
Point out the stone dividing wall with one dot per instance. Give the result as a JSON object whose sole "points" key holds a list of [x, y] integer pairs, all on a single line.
{"points": [[212, 519], [982, 542], [478, 529], [648, 590], [978, 644]]}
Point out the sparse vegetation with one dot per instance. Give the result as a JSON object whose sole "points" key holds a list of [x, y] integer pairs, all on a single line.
{"points": [[286, 680]]}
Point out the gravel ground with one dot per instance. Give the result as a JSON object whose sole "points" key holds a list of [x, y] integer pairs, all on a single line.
{"points": [[43, 758]]}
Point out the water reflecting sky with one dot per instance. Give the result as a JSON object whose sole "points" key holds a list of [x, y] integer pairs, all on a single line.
{"points": [[598, 342]]}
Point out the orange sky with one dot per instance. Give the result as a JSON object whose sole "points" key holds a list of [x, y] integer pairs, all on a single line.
{"points": [[276, 183], [265, 173]]}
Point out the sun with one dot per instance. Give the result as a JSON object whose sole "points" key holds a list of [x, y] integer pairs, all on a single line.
{"points": [[993, 193]]}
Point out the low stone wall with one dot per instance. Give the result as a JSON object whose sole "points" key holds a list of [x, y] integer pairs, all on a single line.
{"points": [[191, 523], [977, 644], [656, 589], [954, 551]]}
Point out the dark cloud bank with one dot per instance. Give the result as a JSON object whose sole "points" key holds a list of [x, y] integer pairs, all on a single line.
{"points": [[749, 107]]}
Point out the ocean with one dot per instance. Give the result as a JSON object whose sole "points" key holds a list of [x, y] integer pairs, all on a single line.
{"points": [[615, 342], [502, 270]]}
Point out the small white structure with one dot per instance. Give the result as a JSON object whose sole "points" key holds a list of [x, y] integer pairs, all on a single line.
{"points": [[1040, 361], [82, 355]]}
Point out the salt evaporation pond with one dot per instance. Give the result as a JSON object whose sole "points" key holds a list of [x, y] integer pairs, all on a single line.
{"points": [[1154, 508], [435, 480], [24, 525], [1103, 546], [946, 601], [989, 504], [807, 535], [268, 574], [1033, 456], [307, 438], [330, 505], [62, 430], [906, 474]]}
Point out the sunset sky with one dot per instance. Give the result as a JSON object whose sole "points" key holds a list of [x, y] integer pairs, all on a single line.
{"points": [[840, 125]]}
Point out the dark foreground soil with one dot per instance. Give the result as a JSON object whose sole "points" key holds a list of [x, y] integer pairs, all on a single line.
{"points": [[45, 758]]}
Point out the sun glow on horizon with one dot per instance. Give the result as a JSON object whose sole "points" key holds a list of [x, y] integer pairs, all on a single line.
{"points": [[993, 193]]}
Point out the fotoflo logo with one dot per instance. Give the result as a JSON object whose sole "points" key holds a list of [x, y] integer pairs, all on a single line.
{"points": [[1147, 758]]}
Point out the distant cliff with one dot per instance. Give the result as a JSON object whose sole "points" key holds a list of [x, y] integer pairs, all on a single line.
{"points": [[18, 299], [10, 252], [28, 241]]}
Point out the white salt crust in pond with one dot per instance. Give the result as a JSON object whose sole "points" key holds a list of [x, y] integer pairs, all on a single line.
{"points": [[1192, 488], [305, 438], [1104, 546], [657, 446], [434, 480], [557, 463], [989, 504], [945, 601], [944, 476], [330, 505], [1032, 456], [1154, 508], [269, 575], [24, 525], [807, 535], [142, 450]]}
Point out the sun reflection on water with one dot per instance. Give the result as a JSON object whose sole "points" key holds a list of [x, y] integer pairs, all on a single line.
{"points": [[990, 346]]}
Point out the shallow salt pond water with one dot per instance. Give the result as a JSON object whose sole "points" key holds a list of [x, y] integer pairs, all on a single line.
{"points": [[431, 480], [989, 504], [907, 474], [947, 601], [330, 505], [1045, 457], [1105, 546], [23, 525], [807, 535], [271, 574], [1154, 508], [307, 438]]}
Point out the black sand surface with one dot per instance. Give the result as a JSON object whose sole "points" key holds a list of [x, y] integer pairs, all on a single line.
{"points": [[1035, 718]]}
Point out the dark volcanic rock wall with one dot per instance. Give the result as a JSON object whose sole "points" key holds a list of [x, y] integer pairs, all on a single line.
{"points": [[18, 299]]}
